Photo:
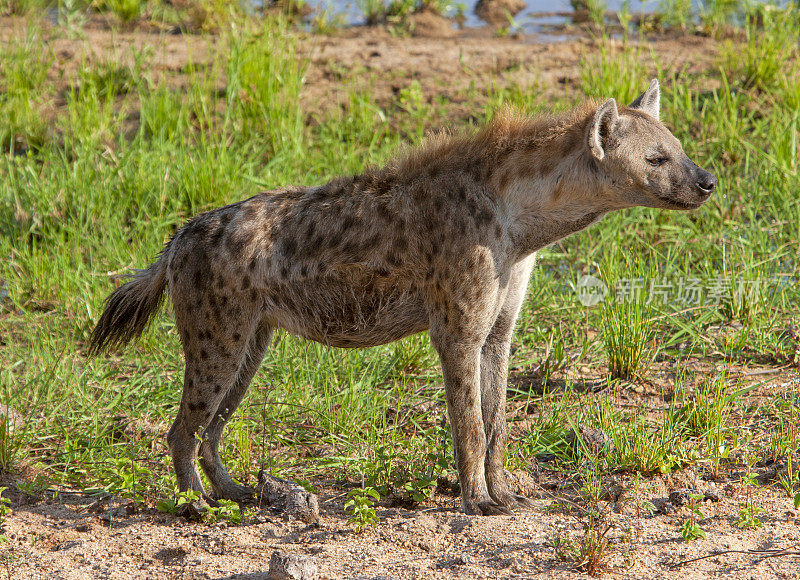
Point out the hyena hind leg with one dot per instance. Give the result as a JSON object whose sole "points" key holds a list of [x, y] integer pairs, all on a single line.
{"points": [[221, 481], [213, 364]]}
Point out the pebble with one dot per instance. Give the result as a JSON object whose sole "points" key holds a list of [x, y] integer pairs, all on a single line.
{"points": [[292, 567]]}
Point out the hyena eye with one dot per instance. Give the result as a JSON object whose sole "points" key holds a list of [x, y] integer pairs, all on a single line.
{"points": [[657, 161]]}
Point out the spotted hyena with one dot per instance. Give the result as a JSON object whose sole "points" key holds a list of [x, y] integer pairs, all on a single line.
{"points": [[442, 239]]}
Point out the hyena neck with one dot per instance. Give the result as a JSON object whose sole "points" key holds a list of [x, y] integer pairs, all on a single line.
{"points": [[550, 189]]}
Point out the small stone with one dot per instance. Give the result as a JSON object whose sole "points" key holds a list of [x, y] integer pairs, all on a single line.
{"points": [[711, 495], [680, 497], [593, 440], [288, 497], [292, 567]]}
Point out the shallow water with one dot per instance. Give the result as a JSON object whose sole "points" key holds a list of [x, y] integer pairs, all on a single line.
{"points": [[527, 19]]}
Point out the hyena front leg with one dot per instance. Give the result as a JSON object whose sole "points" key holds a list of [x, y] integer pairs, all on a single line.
{"points": [[221, 481], [460, 361], [494, 376]]}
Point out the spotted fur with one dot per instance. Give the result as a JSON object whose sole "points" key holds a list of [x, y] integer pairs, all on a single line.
{"points": [[440, 239]]}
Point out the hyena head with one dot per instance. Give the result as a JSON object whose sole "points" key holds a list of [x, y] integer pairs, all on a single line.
{"points": [[641, 162]]}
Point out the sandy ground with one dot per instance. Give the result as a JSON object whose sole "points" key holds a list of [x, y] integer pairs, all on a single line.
{"points": [[67, 540], [67, 537]]}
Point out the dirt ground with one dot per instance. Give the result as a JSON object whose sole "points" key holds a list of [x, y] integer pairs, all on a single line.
{"points": [[67, 536], [74, 539]]}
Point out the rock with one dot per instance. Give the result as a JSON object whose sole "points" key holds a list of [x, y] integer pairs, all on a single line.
{"points": [[291, 567], [711, 495], [497, 12], [663, 506], [288, 498], [426, 23], [680, 497], [593, 440]]}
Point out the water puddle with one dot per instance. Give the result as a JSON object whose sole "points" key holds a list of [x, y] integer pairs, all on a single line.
{"points": [[543, 18]]}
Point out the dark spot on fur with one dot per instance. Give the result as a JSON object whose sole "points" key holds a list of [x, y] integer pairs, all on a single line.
{"points": [[381, 271], [245, 283], [253, 295], [236, 337], [202, 405], [372, 241], [284, 272], [498, 231], [310, 229], [189, 384], [335, 239], [217, 388], [322, 268], [304, 270], [203, 354], [383, 212], [348, 222], [484, 218], [225, 219], [198, 278], [234, 244], [252, 265], [289, 248], [191, 406], [438, 204]]}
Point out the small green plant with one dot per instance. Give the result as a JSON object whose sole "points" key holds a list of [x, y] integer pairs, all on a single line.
{"points": [[748, 519], [127, 11], [361, 507], [690, 529], [374, 11], [5, 510], [766, 57], [227, 510], [124, 475], [628, 334], [170, 506], [72, 17], [676, 13], [748, 514], [792, 477]]}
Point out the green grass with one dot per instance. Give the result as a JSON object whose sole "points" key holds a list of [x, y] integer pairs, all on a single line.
{"points": [[87, 194]]}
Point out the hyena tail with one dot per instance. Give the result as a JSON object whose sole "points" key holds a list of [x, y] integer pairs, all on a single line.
{"points": [[130, 307]]}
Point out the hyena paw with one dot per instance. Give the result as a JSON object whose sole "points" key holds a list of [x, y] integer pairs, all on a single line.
{"points": [[516, 503], [194, 510], [485, 507]]}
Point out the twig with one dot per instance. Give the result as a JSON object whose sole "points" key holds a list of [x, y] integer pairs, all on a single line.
{"points": [[790, 551]]}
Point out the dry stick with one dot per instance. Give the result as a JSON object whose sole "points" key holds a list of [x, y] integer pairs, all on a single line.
{"points": [[762, 553]]}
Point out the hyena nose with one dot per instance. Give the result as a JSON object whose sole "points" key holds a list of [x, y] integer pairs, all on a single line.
{"points": [[706, 183]]}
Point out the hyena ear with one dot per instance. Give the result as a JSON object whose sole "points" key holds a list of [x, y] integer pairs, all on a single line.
{"points": [[603, 125], [649, 101]]}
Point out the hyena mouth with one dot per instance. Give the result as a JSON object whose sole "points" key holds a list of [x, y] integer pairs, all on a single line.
{"points": [[680, 204]]}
